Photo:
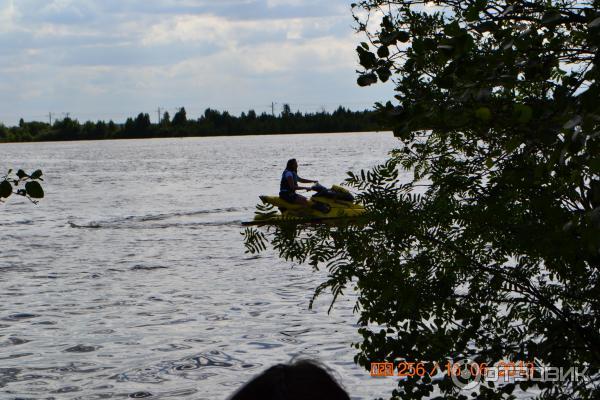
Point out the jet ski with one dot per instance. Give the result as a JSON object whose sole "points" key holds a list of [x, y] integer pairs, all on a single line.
{"points": [[325, 204]]}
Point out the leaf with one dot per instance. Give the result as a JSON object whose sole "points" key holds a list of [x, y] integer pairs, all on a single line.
{"points": [[551, 17], [573, 122], [21, 174], [387, 23], [595, 23], [507, 10], [594, 193], [403, 36], [487, 26], [595, 165], [387, 39], [472, 13], [5, 189], [34, 190], [384, 74], [483, 114], [445, 81], [367, 79], [452, 29], [37, 174], [417, 46], [508, 45], [522, 113], [383, 52], [366, 58]]}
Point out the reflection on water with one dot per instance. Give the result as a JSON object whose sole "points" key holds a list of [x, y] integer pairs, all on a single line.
{"points": [[130, 278]]}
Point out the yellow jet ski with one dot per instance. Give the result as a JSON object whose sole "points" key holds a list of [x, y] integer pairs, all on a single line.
{"points": [[325, 204]]}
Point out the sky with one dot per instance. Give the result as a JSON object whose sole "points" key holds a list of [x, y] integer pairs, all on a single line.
{"points": [[111, 59]]}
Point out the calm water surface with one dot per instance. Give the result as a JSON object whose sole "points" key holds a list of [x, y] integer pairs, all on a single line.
{"points": [[130, 278]]}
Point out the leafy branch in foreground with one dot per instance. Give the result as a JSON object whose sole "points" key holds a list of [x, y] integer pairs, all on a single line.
{"points": [[22, 184], [491, 250]]}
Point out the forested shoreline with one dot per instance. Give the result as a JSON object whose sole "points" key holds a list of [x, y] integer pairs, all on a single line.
{"points": [[211, 123]]}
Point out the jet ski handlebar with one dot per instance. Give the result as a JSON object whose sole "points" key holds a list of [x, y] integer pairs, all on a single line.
{"points": [[317, 187]]}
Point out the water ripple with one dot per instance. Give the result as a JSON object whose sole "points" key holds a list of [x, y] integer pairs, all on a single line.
{"points": [[141, 277], [196, 367], [20, 317], [81, 348]]}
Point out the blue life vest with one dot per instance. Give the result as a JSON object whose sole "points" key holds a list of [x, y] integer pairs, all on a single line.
{"points": [[284, 186]]}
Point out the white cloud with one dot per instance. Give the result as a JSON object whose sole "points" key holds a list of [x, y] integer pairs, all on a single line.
{"points": [[278, 3], [8, 16], [227, 33], [109, 56], [189, 28]]}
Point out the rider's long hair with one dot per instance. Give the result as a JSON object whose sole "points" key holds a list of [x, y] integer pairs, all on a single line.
{"points": [[292, 165]]}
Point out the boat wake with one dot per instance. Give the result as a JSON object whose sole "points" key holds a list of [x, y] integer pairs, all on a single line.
{"points": [[188, 220]]}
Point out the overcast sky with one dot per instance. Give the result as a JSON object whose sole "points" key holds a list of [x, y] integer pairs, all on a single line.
{"points": [[109, 59]]}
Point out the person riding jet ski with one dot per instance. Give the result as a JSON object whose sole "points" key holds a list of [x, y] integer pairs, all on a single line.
{"points": [[326, 204], [289, 185]]}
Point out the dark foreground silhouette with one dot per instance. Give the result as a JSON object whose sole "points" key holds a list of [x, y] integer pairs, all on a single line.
{"points": [[298, 381], [211, 123]]}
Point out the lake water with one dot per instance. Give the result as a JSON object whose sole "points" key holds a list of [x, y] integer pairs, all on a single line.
{"points": [[130, 278]]}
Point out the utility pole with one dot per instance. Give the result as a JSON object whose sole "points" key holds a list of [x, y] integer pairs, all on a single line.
{"points": [[158, 115], [50, 118], [273, 108]]}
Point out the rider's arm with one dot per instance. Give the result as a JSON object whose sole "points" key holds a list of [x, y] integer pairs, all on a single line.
{"points": [[306, 180], [296, 187]]}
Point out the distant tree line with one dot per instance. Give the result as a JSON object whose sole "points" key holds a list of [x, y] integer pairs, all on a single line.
{"points": [[211, 123]]}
